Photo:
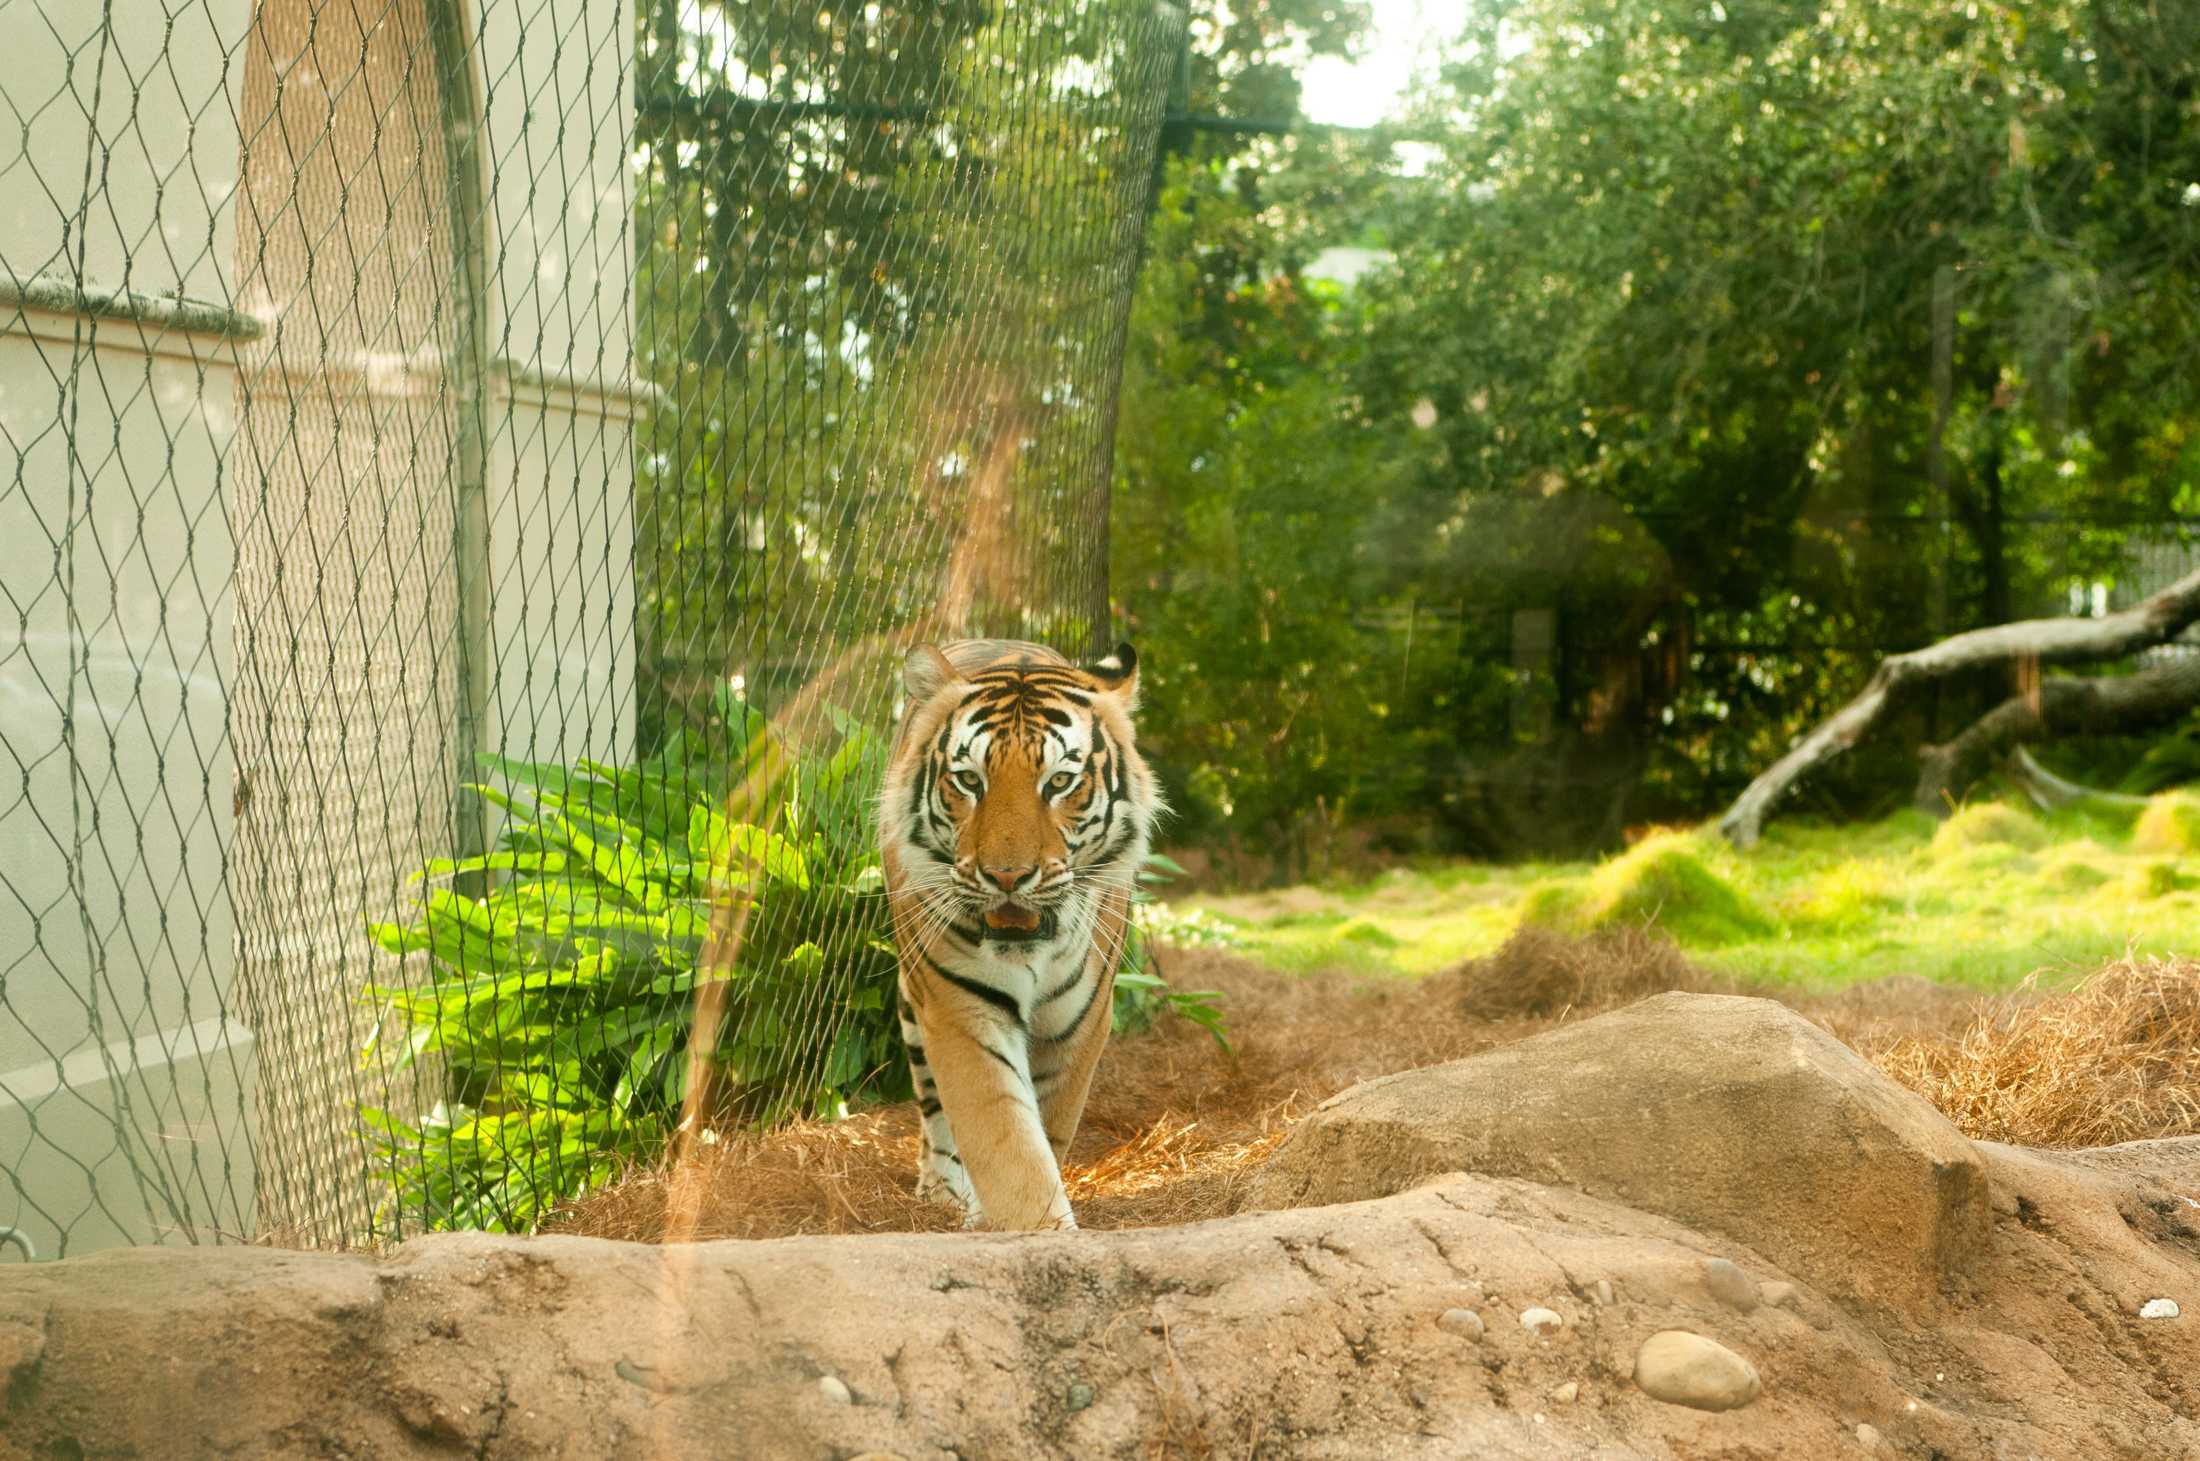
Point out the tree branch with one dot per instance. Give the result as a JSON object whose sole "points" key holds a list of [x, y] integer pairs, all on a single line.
{"points": [[2049, 791], [2058, 707], [2045, 641]]}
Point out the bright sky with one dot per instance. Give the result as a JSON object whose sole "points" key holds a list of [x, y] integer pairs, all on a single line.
{"points": [[1362, 93]]}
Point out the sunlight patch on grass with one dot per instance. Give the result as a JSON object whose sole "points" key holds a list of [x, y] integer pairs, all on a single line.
{"points": [[1980, 900]]}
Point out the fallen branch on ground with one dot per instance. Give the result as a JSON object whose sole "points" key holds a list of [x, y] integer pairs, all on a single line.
{"points": [[2059, 707], [2152, 621]]}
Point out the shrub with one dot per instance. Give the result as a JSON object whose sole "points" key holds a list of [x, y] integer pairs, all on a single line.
{"points": [[561, 989]]}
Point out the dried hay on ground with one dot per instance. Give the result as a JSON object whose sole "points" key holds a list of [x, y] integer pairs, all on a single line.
{"points": [[1173, 1126], [2115, 1059]]}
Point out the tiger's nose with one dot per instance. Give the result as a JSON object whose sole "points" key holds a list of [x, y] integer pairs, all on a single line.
{"points": [[1008, 877]]}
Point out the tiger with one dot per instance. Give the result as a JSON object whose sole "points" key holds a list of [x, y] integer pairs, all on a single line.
{"points": [[1014, 817]]}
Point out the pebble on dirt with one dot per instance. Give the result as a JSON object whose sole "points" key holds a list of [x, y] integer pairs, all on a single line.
{"points": [[1463, 1322], [2159, 1309], [1729, 1285], [833, 1388], [1681, 1368], [1867, 1437], [1776, 1294], [1540, 1320], [1567, 1393], [1604, 1293]]}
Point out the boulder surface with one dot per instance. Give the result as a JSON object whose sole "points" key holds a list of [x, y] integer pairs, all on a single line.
{"points": [[1733, 1115]]}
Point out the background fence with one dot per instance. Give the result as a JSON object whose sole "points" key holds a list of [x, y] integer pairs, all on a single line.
{"points": [[391, 383]]}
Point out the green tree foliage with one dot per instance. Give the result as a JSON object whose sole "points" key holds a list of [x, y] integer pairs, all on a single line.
{"points": [[1244, 488], [1685, 260], [884, 249], [1655, 357]]}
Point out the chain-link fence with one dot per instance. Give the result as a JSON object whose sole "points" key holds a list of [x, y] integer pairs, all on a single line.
{"points": [[405, 393]]}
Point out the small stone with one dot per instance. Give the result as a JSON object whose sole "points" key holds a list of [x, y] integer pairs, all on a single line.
{"points": [[1867, 1437], [1540, 1320], [1604, 1293], [1777, 1295], [1681, 1368], [835, 1390], [1463, 1322], [1079, 1396], [21, 1349], [2159, 1309], [1729, 1285], [1567, 1393]]}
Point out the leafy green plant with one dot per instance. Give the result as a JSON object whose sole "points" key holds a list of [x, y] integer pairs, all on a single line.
{"points": [[562, 987], [1142, 996], [2174, 760]]}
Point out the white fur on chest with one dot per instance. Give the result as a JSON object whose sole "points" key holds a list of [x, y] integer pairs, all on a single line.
{"points": [[1041, 978]]}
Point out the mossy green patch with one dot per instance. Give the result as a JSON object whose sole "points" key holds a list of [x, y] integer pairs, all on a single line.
{"points": [[1990, 824], [2073, 869], [1673, 888], [2160, 879], [1668, 882], [2170, 825], [1360, 931], [1851, 894], [1976, 865]]}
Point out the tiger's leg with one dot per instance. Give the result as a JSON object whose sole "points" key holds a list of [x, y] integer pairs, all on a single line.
{"points": [[940, 1174], [977, 1059], [1063, 1067], [1063, 1064]]}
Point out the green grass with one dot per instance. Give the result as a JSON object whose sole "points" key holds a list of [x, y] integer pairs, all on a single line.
{"points": [[1981, 899]]}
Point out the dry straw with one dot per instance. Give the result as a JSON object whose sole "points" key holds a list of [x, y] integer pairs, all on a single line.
{"points": [[2117, 1058]]}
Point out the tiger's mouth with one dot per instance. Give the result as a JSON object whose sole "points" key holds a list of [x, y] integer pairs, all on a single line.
{"points": [[1011, 923]]}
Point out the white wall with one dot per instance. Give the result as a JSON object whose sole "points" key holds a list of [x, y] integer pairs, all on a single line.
{"points": [[558, 114]]}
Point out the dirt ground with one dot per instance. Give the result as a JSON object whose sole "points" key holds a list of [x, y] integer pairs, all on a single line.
{"points": [[1847, 1275], [1174, 1125]]}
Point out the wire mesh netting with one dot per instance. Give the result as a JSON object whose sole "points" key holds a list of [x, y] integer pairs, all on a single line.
{"points": [[450, 440]]}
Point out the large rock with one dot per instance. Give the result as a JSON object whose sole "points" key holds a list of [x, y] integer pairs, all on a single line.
{"points": [[1730, 1114], [1319, 1332]]}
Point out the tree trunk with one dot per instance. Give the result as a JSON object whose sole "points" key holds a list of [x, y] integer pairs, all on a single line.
{"points": [[2059, 707], [2044, 641]]}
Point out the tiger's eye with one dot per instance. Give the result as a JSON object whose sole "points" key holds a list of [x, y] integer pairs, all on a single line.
{"points": [[1060, 782], [968, 781]]}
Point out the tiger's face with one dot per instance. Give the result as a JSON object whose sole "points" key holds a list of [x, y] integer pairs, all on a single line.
{"points": [[1026, 787]]}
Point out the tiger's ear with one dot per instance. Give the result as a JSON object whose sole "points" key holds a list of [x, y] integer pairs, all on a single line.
{"points": [[925, 673], [1118, 674]]}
